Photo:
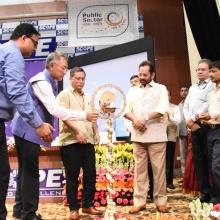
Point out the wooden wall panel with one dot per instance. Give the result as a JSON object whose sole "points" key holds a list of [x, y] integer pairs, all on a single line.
{"points": [[164, 21]]}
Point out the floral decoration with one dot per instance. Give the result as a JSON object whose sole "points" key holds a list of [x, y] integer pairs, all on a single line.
{"points": [[122, 175], [200, 211], [215, 212]]}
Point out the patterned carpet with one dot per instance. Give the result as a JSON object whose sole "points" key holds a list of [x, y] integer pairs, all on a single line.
{"points": [[177, 203]]}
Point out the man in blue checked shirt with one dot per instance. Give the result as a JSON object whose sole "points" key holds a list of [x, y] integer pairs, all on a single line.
{"points": [[14, 96]]}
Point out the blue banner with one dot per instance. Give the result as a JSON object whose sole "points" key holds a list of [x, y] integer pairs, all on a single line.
{"points": [[51, 183]]}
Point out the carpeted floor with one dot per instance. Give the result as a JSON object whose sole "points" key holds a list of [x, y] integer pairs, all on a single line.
{"points": [[177, 202]]}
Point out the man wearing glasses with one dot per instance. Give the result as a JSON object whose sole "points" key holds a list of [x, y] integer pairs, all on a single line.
{"points": [[14, 96], [42, 88], [196, 103]]}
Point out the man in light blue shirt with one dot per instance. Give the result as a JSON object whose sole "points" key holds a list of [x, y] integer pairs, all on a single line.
{"points": [[14, 96], [196, 103]]}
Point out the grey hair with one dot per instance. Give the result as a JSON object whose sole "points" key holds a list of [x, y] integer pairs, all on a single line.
{"points": [[54, 56]]}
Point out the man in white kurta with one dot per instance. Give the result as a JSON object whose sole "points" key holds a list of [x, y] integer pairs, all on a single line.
{"points": [[146, 106]]}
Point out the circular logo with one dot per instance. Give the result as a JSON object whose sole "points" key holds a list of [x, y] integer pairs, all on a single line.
{"points": [[114, 18]]}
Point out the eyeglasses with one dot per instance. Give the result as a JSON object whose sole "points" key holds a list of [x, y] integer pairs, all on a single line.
{"points": [[35, 43]]}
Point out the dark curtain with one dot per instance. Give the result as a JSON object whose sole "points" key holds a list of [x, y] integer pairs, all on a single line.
{"points": [[204, 21]]}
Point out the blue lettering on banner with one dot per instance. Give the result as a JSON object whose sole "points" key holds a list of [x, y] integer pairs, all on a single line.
{"points": [[61, 32], [62, 21], [62, 43], [45, 46], [51, 183], [84, 49], [7, 30], [33, 22], [47, 27]]}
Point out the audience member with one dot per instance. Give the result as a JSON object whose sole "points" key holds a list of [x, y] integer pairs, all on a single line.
{"points": [[172, 126], [182, 129], [212, 119], [195, 103], [134, 80]]}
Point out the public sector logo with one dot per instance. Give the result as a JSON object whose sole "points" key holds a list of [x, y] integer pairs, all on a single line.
{"points": [[102, 21]]}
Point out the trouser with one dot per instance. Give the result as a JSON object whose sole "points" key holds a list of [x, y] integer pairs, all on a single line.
{"points": [[27, 191], [170, 153], [183, 152], [214, 161], [200, 159], [4, 171], [74, 157], [157, 154]]}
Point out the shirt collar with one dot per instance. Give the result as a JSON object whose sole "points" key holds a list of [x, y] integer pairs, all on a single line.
{"points": [[150, 84], [74, 90], [52, 80], [203, 82]]}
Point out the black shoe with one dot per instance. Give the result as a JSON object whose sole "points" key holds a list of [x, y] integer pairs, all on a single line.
{"points": [[33, 217], [170, 186], [204, 198], [16, 215]]}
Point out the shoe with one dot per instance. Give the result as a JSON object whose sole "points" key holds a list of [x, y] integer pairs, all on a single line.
{"points": [[170, 186], [32, 217], [74, 215], [204, 198], [162, 208], [16, 215], [92, 211], [137, 209]]}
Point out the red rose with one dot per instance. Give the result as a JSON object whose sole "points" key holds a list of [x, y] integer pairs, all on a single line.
{"points": [[216, 207], [96, 204], [116, 194], [122, 193], [125, 201], [131, 202], [119, 201], [103, 201]]}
